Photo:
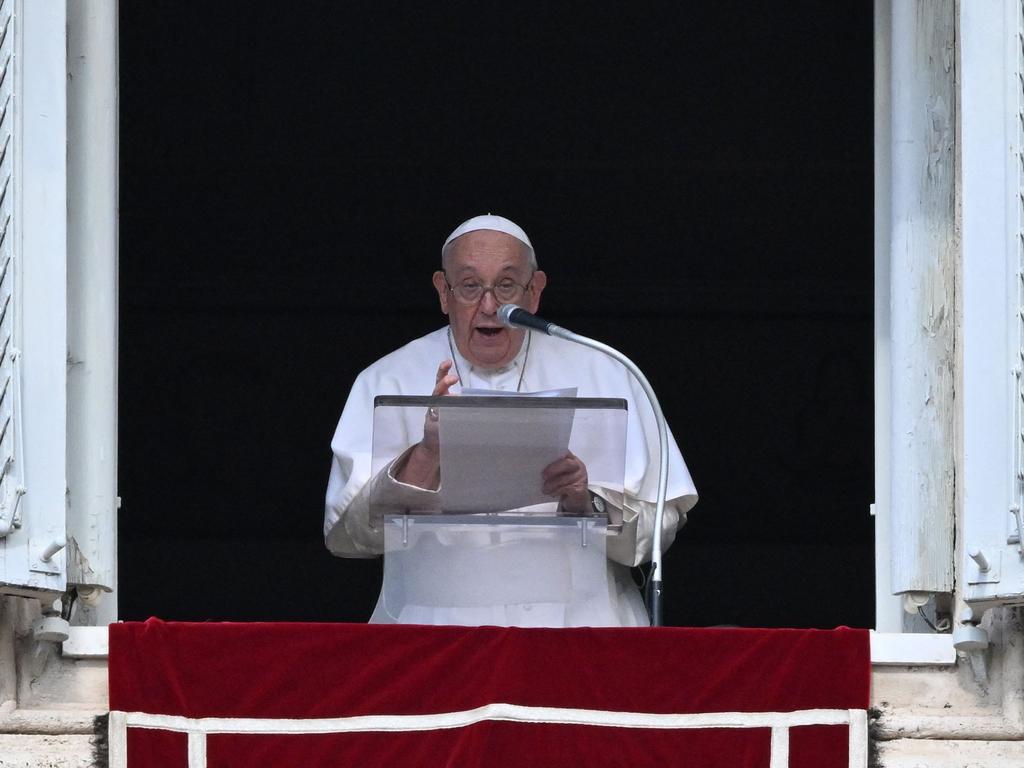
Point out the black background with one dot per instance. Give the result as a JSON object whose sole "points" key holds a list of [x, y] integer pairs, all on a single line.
{"points": [[697, 182]]}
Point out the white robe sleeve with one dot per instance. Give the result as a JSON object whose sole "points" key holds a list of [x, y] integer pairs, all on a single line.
{"points": [[350, 528], [356, 530], [347, 529], [634, 544]]}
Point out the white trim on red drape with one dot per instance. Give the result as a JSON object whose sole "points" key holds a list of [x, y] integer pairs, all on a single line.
{"points": [[779, 722]]}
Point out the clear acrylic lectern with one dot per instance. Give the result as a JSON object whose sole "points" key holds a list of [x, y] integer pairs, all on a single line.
{"points": [[486, 545]]}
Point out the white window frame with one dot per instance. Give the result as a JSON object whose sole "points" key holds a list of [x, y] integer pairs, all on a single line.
{"points": [[989, 408], [914, 275], [64, 187]]}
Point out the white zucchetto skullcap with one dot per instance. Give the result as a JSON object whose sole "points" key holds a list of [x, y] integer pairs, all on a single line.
{"points": [[489, 221]]}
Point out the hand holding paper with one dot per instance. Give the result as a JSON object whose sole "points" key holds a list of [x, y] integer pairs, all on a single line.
{"points": [[566, 480]]}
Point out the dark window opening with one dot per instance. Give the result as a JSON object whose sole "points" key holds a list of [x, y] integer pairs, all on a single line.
{"points": [[697, 181]]}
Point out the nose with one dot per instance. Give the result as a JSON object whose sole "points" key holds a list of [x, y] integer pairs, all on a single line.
{"points": [[488, 302]]}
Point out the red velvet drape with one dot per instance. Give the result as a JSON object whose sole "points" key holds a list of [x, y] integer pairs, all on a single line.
{"points": [[341, 670]]}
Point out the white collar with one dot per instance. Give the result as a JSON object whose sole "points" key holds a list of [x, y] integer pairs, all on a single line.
{"points": [[516, 363]]}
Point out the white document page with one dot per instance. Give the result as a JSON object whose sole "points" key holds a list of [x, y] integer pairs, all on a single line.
{"points": [[492, 458]]}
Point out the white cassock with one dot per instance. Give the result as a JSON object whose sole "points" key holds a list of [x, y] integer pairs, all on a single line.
{"points": [[543, 363]]}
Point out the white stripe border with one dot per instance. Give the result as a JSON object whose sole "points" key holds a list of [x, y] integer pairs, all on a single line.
{"points": [[496, 711], [779, 723]]}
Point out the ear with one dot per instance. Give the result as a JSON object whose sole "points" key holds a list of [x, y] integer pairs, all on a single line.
{"points": [[442, 290], [539, 281]]}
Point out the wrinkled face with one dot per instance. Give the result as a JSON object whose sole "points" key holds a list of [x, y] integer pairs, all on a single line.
{"points": [[486, 257]]}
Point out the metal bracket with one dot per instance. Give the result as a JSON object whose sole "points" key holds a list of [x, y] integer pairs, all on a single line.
{"points": [[45, 562], [984, 567]]}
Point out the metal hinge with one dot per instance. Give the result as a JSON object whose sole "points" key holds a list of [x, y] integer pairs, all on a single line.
{"points": [[1018, 537], [8, 524]]}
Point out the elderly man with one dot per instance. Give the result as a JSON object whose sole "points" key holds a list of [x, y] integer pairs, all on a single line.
{"points": [[486, 262]]}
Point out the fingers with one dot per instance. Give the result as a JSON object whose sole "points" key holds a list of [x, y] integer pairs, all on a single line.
{"points": [[566, 480], [568, 464], [442, 383], [561, 472], [444, 380], [565, 475], [559, 488]]}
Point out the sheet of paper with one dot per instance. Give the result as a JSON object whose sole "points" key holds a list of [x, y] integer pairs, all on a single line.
{"points": [[475, 392], [492, 458]]}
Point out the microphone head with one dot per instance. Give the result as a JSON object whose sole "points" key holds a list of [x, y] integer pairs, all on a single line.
{"points": [[505, 314]]}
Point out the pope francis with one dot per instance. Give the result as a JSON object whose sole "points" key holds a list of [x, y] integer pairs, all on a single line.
{"points": [[488, 261]]}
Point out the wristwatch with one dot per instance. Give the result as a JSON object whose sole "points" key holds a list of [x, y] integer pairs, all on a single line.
{"points": [[597, 504]]}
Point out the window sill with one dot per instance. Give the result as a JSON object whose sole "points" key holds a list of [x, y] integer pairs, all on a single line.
{"points": [[887, 648], [911, 650], [85, 643]]}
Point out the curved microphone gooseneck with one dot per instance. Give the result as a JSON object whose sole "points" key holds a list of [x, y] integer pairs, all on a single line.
{"points": [[517, 317]]}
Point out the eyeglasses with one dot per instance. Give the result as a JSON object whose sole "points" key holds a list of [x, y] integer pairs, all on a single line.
{"points": [[506, 291]]}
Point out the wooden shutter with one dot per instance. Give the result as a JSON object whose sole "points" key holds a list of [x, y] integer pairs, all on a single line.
{"points": [[33, 295], [992, 97]]}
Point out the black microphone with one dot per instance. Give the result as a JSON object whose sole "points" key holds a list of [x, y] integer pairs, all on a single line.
{"points": [[517, 317]]}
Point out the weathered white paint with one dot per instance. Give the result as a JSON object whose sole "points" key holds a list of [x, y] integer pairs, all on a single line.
{"points": [[921, 277], [11, 480], [948, 703], [991, 185], [85, 643], [48, 704], [889, 614], [92, 296], [39, 145]]}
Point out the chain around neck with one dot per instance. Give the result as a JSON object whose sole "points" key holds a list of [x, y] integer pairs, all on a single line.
{"points": [[522, 368]]}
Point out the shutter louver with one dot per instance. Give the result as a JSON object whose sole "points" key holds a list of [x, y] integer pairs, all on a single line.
{"points": [[11, 486], [1017, 333]]}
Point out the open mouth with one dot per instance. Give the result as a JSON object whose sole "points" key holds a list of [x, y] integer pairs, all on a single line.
{"points": [[489, 331]]}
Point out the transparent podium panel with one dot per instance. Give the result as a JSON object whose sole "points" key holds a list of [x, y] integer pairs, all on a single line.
{"points": [[475, 539], [495, 569], [491, 452]]}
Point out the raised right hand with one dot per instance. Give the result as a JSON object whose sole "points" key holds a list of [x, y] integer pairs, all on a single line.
{"points": [[442, 383]]}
